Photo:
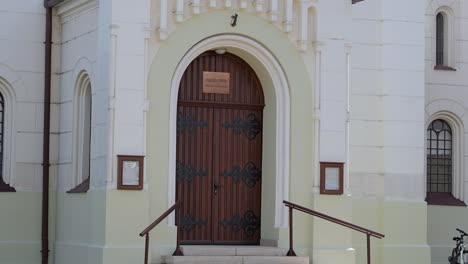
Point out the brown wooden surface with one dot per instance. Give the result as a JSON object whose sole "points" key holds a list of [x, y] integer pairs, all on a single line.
{"points": [[237, 162], [194, 174], [219, 142]]}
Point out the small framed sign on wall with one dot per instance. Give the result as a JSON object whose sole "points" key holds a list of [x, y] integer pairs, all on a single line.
{"points": [[331, 178], [130, 172]]}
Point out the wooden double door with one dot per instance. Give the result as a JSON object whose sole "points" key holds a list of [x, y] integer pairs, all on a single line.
{"points": [[219, 154]]}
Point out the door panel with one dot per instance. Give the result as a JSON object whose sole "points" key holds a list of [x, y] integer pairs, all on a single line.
{"points": [[194, 172], [237, 168]]}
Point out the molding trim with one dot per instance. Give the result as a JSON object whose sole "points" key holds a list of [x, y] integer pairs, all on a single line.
{"points": [[282, 97], [71, 9], [8, 80]]}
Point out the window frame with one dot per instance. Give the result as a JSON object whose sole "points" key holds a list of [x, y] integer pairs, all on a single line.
{"points": [[448, 60], [456, 196], [441, 32]]}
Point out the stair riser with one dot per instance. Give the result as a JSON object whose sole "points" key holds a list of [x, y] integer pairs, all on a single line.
{"points": [[232, 251], [235, 260]]}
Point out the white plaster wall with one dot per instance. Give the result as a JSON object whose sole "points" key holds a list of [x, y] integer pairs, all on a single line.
{"points": [[333, 44], [130, 44], [403, 120], [78, 45], [387, 100], [22, 54], [85, 46], [447, 91], [366, 126]]}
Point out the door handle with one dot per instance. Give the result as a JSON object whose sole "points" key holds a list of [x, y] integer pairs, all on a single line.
{"points": [[216, 188]]}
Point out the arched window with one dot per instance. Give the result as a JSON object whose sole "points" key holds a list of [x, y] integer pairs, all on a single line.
{"points": [[3, 186], [440, 39], [439, 157], [441, 184], [444, 25], [82, 135]]}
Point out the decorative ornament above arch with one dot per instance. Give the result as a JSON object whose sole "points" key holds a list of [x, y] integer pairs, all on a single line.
{"points": [[282, 100], [435, 5], [83, 65], [292, 17], [447, 106]]}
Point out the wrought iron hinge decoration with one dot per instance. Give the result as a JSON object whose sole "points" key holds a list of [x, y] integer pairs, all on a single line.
{"points": [[188, 223], [250, 126], [249, 223], [250, 174], [188, 123], [188, 172]]}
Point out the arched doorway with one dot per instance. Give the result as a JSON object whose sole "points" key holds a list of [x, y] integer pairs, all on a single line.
{"points": [[219, 151]]}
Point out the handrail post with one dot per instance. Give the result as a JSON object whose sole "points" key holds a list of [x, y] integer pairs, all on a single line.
{"points": [[177, 251], [146, 248], [291, 250], [368, 249]]}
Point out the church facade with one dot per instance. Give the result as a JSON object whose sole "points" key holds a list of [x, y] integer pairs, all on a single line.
{"points": [[355, 109]]}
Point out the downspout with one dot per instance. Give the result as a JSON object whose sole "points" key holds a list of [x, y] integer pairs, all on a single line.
{"points": [[46, 137], [48, 4]]}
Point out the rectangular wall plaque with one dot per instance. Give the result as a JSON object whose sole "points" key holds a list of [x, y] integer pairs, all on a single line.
{"points": [[130, 172], [331, 177], [216, 82]]}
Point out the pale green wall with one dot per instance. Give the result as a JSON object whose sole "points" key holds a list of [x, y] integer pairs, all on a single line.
{"points": [[367, 213], [101, 227], [20, 227], [441, 224], [80, 227], [404, 225], [162, 70]]}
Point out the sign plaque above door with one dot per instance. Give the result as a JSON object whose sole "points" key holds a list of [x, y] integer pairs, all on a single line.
{"points": [[216, 82]]}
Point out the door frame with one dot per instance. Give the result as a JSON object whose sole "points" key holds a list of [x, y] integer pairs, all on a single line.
{"points": [[249, 50]]}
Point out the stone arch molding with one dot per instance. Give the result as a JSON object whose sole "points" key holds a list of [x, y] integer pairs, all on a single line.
{"points": [[282, 97], [455, 115], [83, 65], [9, 80], [434, 5]]}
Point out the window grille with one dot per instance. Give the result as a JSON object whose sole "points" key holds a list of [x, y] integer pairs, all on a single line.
{"points": [[439, 157], [440, 39]]}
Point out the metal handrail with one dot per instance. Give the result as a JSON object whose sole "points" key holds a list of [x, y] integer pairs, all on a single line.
{"points": [[361, 229], [146, 231]]}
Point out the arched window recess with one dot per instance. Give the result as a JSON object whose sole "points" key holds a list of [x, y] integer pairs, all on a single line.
{"points": [[82, 135], [4, 186], [444, 39]]}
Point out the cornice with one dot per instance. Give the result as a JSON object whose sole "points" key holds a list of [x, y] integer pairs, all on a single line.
{"points": [[70, 9]]}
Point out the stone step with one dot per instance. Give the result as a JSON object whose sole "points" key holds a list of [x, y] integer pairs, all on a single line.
{"points": [[235, 260], [232, 251]]}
